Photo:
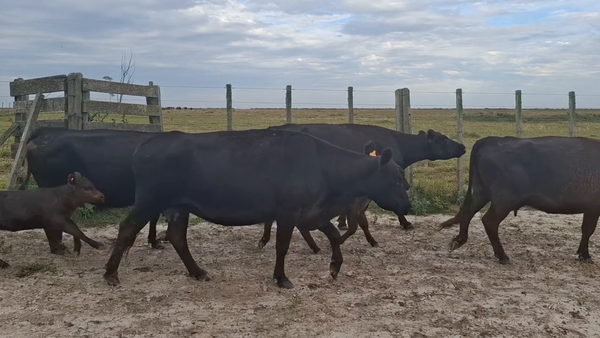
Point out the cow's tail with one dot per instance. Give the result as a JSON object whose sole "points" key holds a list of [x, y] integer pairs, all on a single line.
{"points": [[469, 195]]}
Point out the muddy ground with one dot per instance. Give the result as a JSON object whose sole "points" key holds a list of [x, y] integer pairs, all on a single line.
{"points": [[410, 286]]}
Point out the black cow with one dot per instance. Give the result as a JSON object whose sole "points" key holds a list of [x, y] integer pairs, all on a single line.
{"points": [[50, 209], [238, 178], [103, 156], [557, 175], [406, 149]]}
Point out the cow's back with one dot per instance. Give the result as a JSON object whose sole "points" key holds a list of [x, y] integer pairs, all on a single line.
{"points": [[348, 136], [545, 171], [247, 173], [103, 156]]}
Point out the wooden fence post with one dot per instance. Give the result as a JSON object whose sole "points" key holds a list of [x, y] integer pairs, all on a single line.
{"points": [[229, 108], [398, 106], [34, 112], [150, 101], [460, 172], [18, 118], [288, 104], [406, 127], [518, 114], [350, 104], [572, 107], [75, 101]]}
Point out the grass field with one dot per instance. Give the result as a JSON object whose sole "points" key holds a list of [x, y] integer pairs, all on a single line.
{"points": [[434, 182]]}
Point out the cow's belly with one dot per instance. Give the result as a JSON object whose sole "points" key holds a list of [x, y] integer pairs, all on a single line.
{"points": [[565, 203]]}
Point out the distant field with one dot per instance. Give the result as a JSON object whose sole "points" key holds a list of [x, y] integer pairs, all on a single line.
{"points": [[435, 182]]}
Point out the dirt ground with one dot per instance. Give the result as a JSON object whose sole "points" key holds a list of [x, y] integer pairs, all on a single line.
{"points": [[410, 286]]}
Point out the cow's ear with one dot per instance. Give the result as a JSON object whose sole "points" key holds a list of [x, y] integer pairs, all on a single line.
{"points": [[430, 135], [71, 179], [386, 156], [370, 149], [77, 174]]}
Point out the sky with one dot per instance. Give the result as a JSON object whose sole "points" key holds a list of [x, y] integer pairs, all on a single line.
{"points": [[192, 49]]}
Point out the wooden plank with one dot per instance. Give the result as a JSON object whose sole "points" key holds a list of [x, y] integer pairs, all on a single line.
{"points": [[120, 108], [229, 105], [572, 113], [54, 105], [460, 172], [75, 101], [18, 117], [155, 102], [22, 149], [62, 123], [119, 88], [518, 114], [124, 126], [39, 85], [8, 133]]}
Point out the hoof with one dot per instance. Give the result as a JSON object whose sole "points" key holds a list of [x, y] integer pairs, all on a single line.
{"points": [[112, 280], [98, 246], [586, 260], [343, 227], [157, 246], [375, 244], [4, 265], [261, 244], [455, 244], [408, 226], [203, 277], [334, 270], [285, 284], [445, 225], [504, 261], [316, 250], [61, 249]]}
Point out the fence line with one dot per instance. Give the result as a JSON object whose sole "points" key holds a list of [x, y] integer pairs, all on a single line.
{"points": [[81, 104]]}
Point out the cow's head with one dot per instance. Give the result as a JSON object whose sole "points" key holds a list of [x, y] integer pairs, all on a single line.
{"points": [[440, 147], [83, 190], [387, 185]]}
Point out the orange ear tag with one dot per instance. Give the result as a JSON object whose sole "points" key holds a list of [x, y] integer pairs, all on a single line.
{"points": [[373, 153]]}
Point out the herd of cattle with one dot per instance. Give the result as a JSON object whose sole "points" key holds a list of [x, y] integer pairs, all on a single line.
{"points": [[298, 175]]}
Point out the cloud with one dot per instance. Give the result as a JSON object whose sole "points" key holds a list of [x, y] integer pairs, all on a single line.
{"points": [[428, 46]]}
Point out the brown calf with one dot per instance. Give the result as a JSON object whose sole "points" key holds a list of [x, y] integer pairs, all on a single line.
{"points": [[50, 209]]}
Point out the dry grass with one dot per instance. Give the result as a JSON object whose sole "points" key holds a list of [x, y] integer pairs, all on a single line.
{"points": [[435, 182]]}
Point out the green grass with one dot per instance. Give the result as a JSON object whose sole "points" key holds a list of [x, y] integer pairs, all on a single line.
{"points": [[434, 181], [34, 268]]}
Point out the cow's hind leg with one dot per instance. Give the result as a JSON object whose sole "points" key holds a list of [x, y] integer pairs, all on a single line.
{"points": [[266, 237], [491, 220], [4, 264], [72, 229], [177, 233], [364, 225], [128, 230], [152, 234], [336, 253], [473, 203], [406, 225], [342, 222], [587, 229], [55, 237], [309, 240], [282, 244]]}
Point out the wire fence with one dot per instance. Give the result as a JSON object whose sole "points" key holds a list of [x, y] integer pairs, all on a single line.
{"points": [[462, 115]]}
